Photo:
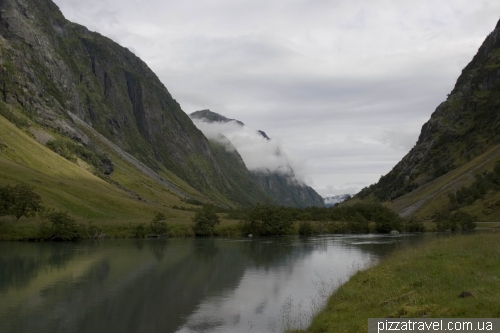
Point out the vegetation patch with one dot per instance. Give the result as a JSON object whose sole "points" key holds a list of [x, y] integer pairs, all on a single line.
{"points": [[205, 220], [483, 183], [426, 281], [71, 151]]}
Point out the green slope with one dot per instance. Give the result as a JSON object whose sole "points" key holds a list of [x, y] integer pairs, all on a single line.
{"points": [[62, 184]]}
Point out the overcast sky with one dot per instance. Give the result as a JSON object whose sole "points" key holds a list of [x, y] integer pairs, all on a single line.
{"points": [[345, 85]]}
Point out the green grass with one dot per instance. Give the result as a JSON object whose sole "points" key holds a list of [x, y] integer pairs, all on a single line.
{"points": [[425, 281]]}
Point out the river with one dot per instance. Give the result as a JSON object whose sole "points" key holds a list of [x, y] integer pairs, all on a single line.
{"points": [[179, 285]]}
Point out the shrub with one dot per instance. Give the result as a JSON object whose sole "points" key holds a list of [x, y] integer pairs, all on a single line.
{"points": [[70, 150], [386, 221], [306, 228], [193, 202], [413, 225], [442, 220], [139, 230], [61, 227], [358, 224], [205, 221], [458, 221]]}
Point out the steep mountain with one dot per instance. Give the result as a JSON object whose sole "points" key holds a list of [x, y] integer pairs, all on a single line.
{"points": [[243, 187], [281, 186], [286, 190], [60, 79], [460, 140]]}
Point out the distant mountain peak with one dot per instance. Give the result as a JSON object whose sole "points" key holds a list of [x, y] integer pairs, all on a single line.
{"points": [[264, 134], [211, 116]]}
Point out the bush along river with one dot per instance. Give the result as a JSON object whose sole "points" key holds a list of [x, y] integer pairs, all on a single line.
{"points": [[180, 285]]}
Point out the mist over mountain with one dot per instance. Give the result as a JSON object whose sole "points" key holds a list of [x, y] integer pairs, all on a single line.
{"points": [[274, 170], [259, 152], [335, 199]]}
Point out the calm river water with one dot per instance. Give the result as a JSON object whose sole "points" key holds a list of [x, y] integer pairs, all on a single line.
{"points": [[177, 285]]}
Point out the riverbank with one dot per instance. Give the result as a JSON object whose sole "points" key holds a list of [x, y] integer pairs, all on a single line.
{"points": [[458, 276], [29, 228]]}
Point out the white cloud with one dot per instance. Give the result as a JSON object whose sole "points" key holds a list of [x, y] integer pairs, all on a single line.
{"points": [[258, 153]]}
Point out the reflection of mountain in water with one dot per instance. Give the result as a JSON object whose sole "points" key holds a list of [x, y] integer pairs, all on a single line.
{"points": [[150, 287], [163, 285]]}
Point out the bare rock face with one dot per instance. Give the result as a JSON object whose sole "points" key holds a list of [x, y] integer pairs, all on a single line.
{"points": [[51, 67], [40, 135], [461, 128]]}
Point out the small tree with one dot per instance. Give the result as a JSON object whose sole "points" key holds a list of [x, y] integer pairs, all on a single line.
{"points": [[443, 220], [464, 220], [413, 225], [205, 221], [357, 224], [386, 221], [158, 226], [19, 201]]}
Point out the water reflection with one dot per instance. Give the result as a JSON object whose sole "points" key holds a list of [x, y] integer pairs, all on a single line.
{"points": [[179, 285]]}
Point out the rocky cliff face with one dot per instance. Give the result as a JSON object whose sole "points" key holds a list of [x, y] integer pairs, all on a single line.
{"points": [[461, 128], [280, 187], [52, 68], [286, 191]]}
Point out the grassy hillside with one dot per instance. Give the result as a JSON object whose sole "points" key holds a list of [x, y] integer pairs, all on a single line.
{"points": [[62, 184]]}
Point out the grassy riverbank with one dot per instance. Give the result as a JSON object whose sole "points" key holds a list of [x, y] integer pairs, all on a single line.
{"points": [[29, 229], [180, 225], [426, 281]]}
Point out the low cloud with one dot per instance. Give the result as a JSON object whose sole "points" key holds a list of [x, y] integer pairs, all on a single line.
{"points": [[258, 153]]}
